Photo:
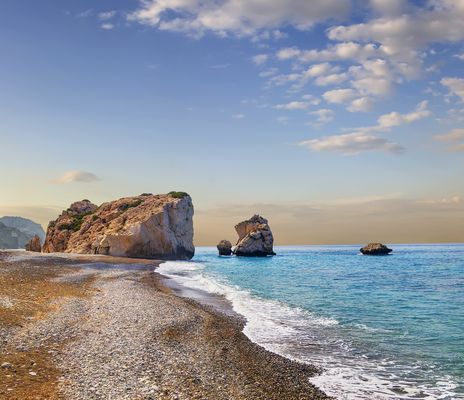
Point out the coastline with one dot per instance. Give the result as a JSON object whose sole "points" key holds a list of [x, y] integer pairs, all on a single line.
{"points": [[119, 331]]}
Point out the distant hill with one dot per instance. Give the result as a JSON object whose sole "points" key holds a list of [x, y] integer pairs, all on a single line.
{"points": [[12, 238], [15, 232], [25, 225]]}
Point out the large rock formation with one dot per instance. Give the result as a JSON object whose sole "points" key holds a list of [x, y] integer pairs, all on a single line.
{"points": [[34, 244], [149, 226], [375, 249], [26, 226], [254, 238], [225, 248]]}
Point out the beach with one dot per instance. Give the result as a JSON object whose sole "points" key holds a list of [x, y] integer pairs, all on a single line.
{"points": [[98, 327]]}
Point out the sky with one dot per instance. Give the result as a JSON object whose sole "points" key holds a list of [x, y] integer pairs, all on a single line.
{"points": [[339, 121]]}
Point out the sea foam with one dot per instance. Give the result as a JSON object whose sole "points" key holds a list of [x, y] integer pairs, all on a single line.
{"points": [[303, 336]]}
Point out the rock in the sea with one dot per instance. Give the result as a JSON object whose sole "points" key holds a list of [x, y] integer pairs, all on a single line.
{"points": [[254, 238], [375, 249], [34, 244], [225, 248], [147, 226]]}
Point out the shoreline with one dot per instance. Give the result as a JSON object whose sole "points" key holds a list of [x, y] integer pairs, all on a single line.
{"points": [[124, 332]]}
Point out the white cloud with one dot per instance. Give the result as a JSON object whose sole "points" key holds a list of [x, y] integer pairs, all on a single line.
{"points": [[373, 77], [389, 7], [294, 105], [455, 86], [238, 116], [324, 74], [77, 176], [451, 136], [339, 96], [107, 26], [385, 50], [459, 56], [387, 121], [331, 79], [338, 52], [317, 70], [351, 144], [106, 15], [363, 104], [400, 34], [324, 115], [239, 17], [395, 118], [260, 59], [313, 100]]}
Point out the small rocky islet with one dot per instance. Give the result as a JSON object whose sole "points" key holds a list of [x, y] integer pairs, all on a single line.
{"points": [[255, 239], [375, 249]]}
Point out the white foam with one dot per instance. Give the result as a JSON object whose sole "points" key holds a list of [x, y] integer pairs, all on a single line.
{"points": [[284, 330], [269, 323]]}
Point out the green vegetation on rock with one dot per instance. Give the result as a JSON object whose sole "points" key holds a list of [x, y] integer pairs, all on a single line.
{"points": [[75, 225], [178, 195]]}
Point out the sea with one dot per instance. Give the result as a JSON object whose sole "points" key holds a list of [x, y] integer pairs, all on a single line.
{"points": [[380, 327]]}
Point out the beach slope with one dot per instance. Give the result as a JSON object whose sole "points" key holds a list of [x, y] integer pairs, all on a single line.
{"points": [[96, 327]]}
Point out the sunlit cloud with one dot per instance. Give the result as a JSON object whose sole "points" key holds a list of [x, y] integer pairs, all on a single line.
{"points": [[77, 176]]}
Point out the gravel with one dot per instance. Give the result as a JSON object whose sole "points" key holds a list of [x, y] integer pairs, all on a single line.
{"points": [[134, 339]]}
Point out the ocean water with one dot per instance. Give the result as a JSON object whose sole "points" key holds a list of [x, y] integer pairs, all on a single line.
{"points": [[388, 327]]}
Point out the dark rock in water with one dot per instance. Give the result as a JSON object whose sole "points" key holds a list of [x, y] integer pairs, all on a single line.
{"points": [[254, 238], [34, 244], [375, 249], [225, 248]]}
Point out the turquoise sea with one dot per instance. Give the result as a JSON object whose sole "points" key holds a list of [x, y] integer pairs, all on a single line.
{"points": [[388, 327]]}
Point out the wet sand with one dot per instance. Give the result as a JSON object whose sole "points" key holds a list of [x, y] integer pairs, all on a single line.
{"points": [[96, 327]]}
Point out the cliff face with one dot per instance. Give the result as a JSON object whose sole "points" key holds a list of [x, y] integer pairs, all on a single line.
{"points": [[150, 226]]}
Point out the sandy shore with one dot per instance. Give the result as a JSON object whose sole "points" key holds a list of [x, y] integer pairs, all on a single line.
{"points": [[95, 327]]}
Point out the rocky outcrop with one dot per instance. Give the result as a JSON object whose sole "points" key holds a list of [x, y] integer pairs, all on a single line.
{"points": [[70, 222], [26, 226], [225, 248], [145, 226], [34, 244], [254, 238], [375, 249]]}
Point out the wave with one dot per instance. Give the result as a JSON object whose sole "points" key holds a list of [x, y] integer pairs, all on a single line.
{"points": [[303, 336], [268, 322]]}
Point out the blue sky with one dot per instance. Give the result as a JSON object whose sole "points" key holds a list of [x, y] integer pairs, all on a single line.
{"points": [[269, 106]]}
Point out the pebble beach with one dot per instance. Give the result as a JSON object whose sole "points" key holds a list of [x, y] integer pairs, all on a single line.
{"points": [[96, 327]]}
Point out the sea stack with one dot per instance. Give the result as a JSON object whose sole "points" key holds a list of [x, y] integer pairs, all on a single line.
{"points": [[225, 248], [375, 249], [34, 244], [145, 226], [254, 238]]}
